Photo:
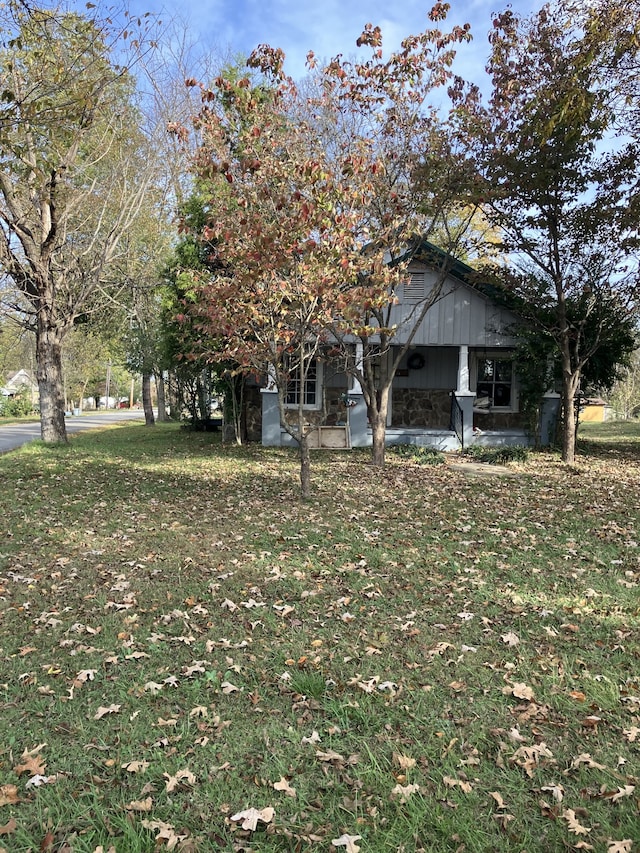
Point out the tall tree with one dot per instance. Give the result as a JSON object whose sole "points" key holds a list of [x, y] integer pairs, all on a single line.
{"points": [[559, 185], [316, 209], [72, 179]]}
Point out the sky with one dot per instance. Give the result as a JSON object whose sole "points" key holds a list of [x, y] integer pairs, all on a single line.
{"points": [[327, 27]]}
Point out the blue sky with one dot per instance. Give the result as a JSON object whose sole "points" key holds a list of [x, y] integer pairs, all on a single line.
{"points": [[327, 27]]}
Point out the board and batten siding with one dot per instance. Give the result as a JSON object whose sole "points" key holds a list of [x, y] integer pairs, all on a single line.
{"points": [[461, 316]]}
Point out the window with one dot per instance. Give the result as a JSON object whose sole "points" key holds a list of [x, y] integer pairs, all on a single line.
{"points": [[495, 382], [414, 287], [311, 392]]}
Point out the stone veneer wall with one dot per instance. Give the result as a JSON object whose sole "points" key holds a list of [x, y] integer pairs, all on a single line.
{"points": [[413, 407]]}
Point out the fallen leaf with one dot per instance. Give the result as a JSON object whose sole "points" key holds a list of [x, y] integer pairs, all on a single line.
{"points": [[556, 791], [86, 675], [250, 817], [135, 766], [614, 796], [574, 824], [314, 737], [402, 793], [498, 798], [348, 842], [631, 735], [510, 638], [39, 779], [450, 782], [102, 711], [165, 832], [140, 805], [578, 695], [182, 775], [522, 691], [585, 758], [9, 795], [34, 765], [404, 762], [625, 846], [9, 827], [329, 755], [284, 786]]}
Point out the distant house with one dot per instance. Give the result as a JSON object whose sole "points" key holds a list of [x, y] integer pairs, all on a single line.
{"points": [[594, 410], [20, 382], [456, 386]]}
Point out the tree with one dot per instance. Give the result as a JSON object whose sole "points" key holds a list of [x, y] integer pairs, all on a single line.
{"points": [[562, 190], [73, 177], [625, 394], [316, 209]]}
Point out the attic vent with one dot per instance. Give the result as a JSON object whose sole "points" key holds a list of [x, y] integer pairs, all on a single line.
{"points": [[414, 287]]}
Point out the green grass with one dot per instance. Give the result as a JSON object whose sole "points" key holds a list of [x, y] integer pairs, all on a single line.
{"points": [[429, 661]]}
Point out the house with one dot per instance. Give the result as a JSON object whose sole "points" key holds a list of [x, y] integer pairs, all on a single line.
{"points": [[456, 385], [20, 382], [594, 410]]}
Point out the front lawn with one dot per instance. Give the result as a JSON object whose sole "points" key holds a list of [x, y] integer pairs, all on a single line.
{"points": [[414, 660]]}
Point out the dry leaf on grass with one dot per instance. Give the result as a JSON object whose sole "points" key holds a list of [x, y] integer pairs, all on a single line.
{"points": [[284, 786], [404, 762], [329, 756], [102, 711], [402, 793], [500, 803], [165, 832], [556, 791], [574, 824], [135, 766], [181, 776], [9, 827], [450, 782], [625, 846], [140, 805], [34, 765], [510, 638], [520, 691], [9, 795], [348, 842], [618, 794], [249, 818]]}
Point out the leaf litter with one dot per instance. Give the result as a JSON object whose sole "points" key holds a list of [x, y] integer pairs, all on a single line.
{"points": [[492, 620]]}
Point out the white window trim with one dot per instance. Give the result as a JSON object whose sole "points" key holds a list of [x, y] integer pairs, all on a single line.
{"points": [[498, 356], [318, 403]]}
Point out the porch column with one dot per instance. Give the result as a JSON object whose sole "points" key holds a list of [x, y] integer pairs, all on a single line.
{"points": [[464, 396], [271, 436], [357, 415]]}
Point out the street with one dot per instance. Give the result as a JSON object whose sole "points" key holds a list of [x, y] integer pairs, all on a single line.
{"points": [[15, 435]]}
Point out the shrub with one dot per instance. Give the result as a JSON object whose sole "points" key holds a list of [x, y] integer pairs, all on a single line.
{"points": [[498, 455], [417, 453], [15, 407]]}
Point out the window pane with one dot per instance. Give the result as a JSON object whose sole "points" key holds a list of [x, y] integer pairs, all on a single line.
{"points": [[502, 395], [503, 371], [485, 370]]}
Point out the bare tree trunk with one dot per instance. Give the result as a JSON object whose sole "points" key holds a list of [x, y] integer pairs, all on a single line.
{"points": [[570, 384], [378, 432], [50, 383], [147, 404], [305, 466], [162, 406]]}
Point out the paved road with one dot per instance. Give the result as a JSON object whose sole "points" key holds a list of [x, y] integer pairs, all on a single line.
{"points": [[15, 435]]}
